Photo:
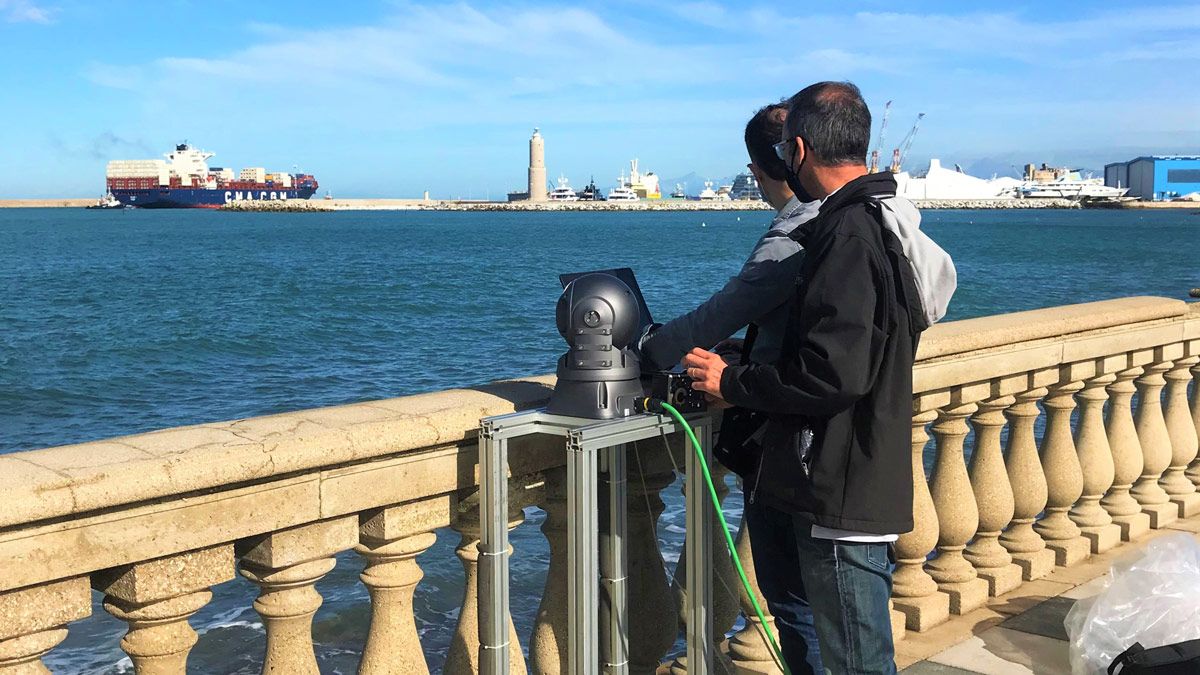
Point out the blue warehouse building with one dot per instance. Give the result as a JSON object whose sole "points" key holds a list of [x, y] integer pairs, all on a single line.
{"points": [[1157, 177]]}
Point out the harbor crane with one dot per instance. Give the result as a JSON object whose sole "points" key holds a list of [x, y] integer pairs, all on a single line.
{"points": [[901, 152], [887, 109]]}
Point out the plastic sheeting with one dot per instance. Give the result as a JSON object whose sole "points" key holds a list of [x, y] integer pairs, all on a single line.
{"points": [[1153, 597]]}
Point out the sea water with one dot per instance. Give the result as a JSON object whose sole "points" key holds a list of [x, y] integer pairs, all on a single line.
{"points": [[119, 322]]}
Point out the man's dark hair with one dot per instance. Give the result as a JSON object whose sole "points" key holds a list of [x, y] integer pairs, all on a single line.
{"points": [[763, 131], [833, 120]]}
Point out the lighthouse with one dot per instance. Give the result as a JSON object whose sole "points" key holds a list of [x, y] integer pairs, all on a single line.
{"points": [[537, 168]]}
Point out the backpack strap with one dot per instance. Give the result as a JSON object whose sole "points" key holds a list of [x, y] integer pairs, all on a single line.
{"points": [[1125, 657], [901, 268], [748, 344]]}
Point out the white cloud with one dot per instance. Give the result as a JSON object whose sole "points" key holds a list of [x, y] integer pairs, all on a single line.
{"points": [[624, 77], [441, 47], [20, 11], [1028, 38]]}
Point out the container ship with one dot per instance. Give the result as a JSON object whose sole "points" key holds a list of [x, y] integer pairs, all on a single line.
{"points": [[184, 180]]}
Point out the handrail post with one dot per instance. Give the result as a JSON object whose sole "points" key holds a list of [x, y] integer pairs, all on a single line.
{"points": [[614, 564], [698, 551], [583, 562], [493, 552]]}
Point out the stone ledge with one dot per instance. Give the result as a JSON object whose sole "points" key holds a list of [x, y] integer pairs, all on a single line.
{"points": [[29, 610], [40, 485], [957, 337], [143, 532], [1108, 348]]}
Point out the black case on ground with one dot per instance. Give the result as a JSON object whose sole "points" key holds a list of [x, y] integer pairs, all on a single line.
{"points": [[1181, 658]]}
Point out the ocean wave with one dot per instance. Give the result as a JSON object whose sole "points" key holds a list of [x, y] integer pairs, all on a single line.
{"points": [[252, 625]]}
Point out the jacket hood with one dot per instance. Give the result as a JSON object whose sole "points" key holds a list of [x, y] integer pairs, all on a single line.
{"points": [[933, 269]]}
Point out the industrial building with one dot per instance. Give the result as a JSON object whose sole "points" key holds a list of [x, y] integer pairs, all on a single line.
{"points": [[1158, 177]]}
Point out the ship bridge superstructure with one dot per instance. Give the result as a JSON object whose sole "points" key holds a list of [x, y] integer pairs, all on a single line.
{"points": [[186, 161]]}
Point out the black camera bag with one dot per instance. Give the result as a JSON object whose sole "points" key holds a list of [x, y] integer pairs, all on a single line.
{"points": [[1181, 658], [737, 446]]}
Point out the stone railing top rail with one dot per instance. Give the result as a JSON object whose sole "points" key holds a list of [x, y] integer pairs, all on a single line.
{"points": [[48, 484], [957, 337], [71, 479]]}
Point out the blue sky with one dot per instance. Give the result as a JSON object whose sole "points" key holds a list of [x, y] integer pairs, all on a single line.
{"points": [[392, 98]]}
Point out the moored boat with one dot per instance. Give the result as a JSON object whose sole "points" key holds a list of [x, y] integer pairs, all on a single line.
{"points": [[563, 193], [591, 193], [622, 193], [108, 201]]}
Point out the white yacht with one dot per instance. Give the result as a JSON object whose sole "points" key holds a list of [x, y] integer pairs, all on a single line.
{"points": [[622, 193], [707, 194], [1071, 188], [564, 192]]}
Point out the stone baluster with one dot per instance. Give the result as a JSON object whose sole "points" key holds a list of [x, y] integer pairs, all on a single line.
{"points": [[286, 565], [725, 583], [1182, 431], [653, 622], [748, 648], [1096, 462], [914, 592], [156, 598], [463, 655], [390, 539], [1029, 488], [1064, 478], [548, 643], [1193, 471], [33, 620], [1156, 446], [1127, 458], [994, 497], [958, 515]]}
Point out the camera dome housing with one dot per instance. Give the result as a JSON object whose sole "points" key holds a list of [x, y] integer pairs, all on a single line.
{"points": [[598, 376]]}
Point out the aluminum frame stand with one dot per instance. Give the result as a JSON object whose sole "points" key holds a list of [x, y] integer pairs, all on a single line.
{"points": [[596, 556]]}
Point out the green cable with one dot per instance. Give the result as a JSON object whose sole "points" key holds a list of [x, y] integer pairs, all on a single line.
{"points": [[737, 562]]}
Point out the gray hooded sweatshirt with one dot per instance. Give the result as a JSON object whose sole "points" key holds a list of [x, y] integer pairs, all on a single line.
{"points": [[763, 288]]}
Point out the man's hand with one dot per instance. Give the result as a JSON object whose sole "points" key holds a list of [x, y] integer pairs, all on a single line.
{"points": [[705, 369]]}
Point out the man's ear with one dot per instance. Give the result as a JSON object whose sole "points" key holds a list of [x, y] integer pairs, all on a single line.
{"points": [[801, 151], [757, 173]]}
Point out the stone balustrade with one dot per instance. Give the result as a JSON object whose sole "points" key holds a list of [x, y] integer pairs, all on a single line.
{"points": [[1055, 434]]}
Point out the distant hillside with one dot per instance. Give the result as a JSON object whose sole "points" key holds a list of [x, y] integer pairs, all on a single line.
{"points": [[692, 182]]}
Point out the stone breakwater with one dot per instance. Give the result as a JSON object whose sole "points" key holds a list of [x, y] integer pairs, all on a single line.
{"points": [[66, 202], [996, 204], [298, 205]]}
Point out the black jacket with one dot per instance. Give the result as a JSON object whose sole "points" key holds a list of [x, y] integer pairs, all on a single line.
{"points": [[845, 374]]}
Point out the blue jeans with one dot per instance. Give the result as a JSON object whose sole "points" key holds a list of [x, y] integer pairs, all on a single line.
{"points": [[837, 591], [776, 561]]}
